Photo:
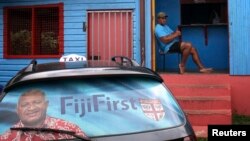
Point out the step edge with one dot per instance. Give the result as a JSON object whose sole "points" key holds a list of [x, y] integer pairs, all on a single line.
{"points": [[203, 98], [226, 86], [208, 112]]}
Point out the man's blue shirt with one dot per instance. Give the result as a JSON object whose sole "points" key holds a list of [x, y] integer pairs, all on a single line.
{"points": [[161, 31]]}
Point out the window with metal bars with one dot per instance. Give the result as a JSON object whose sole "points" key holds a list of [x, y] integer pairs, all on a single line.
{"points": [[110, 33], [33, 32]]}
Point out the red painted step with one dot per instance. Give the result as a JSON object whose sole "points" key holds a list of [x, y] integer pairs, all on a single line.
{"points": [[204, 102], [195, 78], [209, 117], [200, 89], [205, 98]]}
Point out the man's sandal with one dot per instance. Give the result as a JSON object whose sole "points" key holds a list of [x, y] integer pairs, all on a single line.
{"points": [[206, 70]]}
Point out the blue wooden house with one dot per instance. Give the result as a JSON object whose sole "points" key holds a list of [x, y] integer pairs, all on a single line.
{"points": [[46, 30], [98, 29]]}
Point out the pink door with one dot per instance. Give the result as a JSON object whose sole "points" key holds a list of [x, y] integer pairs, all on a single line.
{"points": [[109, 34]]}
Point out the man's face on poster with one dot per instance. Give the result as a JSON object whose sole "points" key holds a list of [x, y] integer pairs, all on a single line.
{"points": [[31, 109]]}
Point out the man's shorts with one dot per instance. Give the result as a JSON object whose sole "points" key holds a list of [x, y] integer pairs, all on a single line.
{"points": [[175, 48]]}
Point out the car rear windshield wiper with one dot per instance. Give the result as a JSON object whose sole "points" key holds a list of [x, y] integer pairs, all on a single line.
{"points": [[72, 133]]}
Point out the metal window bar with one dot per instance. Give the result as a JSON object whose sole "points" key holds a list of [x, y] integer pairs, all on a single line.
{"points": [[121, 33]]}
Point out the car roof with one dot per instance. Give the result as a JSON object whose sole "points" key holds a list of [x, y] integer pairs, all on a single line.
{"points": [[117, 66]]}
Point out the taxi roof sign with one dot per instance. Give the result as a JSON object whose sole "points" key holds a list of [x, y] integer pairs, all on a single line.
{"points": [[72, 58]]}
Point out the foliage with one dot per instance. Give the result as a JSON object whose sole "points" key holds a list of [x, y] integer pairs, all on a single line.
{"points": [[48, 40], [202, 139], [241, 119], [20, 42]]}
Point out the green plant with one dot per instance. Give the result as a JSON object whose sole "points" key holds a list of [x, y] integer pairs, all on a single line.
{"points": [[49, 43], [48, 39], [20, 42], [202, 139], [240, 119]]}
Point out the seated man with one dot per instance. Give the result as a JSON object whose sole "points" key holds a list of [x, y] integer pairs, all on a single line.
{"points": [[168, 39]]}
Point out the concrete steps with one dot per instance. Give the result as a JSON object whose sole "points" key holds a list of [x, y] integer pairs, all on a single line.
{"points": [[206, 99], [204, 102]]}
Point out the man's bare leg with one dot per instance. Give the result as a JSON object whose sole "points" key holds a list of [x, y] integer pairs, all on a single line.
{"points": [[185, 52], [188, 49]]}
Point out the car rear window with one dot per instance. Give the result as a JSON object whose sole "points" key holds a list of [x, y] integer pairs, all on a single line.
{"points": [[101, 106]]}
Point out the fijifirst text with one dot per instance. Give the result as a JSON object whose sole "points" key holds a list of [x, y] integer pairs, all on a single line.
{"points": [[94, 103]]}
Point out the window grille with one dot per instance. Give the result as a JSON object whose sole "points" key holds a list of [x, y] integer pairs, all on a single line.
{"points": [[110, 34], [32, 32]]}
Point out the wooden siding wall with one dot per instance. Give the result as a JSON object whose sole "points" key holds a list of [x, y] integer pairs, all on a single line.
{"points": [[74, 37], [239, 36]]}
